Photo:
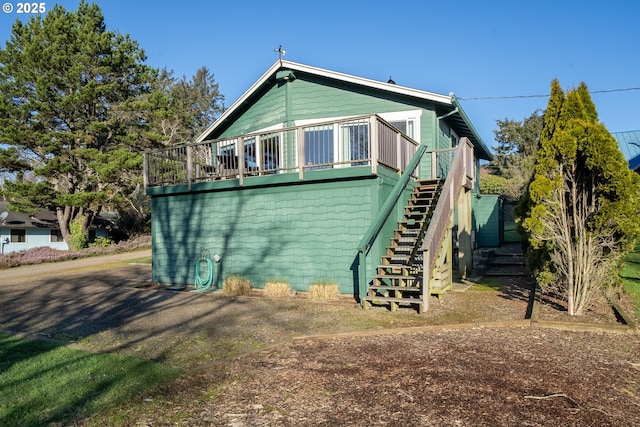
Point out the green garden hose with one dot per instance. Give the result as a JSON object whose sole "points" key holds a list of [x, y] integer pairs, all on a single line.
{"points": [[204, 284]]}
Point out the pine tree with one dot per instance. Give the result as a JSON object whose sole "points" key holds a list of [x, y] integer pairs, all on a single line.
{"points": [[79, 106], [580, 212], [514, 154]]}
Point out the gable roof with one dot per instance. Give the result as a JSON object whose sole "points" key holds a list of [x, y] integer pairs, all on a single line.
{"points": [[446, 105], [629, 143]]}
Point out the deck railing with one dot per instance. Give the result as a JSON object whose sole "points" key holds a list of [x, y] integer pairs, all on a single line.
{"points": [[362, 141]]}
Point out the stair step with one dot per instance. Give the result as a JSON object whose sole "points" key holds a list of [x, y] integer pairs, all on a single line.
{"points": [[403, 241], [393, 299], [395, 259], [425, 187], [417, 209], [423, 201], [408, 232], [392, 267], [396, 288], [507, 260], [395, 277]]}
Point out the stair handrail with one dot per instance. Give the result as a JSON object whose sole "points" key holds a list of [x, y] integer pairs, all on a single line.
{"points": [[383, 214], [423, 228], [456, 178]]}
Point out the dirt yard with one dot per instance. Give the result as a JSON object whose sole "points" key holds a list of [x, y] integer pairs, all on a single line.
{"points": [[474, 359]]}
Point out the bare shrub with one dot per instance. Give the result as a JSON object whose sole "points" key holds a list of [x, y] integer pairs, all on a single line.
{"points": [[277, 289], [236, 285], [324, 291]]}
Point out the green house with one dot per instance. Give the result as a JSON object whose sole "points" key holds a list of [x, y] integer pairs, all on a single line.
{"points": [[315, 175]]}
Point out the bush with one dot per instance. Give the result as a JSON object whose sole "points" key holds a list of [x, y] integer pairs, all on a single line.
{"points": [[493, 184], [277, 288], [236, 285], [102, 242], [324, 291], [78, 239]]}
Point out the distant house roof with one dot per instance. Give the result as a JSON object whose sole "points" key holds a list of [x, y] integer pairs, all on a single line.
{"points": [[447, 104], [42, 219], [629, 143]]}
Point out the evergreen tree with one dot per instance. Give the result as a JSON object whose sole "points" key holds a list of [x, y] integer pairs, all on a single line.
{"points": [[192, 105], [580, 212], [514, 154], [71, 113], [79, 106]]}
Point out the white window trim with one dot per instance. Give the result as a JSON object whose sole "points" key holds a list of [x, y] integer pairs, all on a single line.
{"points": [[397, 116]]}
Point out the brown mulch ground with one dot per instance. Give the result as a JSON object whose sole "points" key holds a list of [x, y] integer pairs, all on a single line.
{"points": [[255, 361]]}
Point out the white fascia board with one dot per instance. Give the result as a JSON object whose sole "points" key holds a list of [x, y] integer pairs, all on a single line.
{"points": [[275, 67], [387, 87]]}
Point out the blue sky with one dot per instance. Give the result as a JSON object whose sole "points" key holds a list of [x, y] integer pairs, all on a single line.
{"points": [[475, 49]]}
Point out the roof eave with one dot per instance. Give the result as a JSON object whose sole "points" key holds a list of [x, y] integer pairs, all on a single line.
{"points": [[465, 118], [272, 70]]}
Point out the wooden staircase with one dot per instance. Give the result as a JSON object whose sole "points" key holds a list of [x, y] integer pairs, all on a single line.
{"points": [[399, 277]]}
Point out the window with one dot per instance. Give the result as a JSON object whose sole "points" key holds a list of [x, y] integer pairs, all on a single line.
{"points": [[18, 235], [318, 146], [358, 136], [406, 126], [56, 236], [454, 139], [408, 122], [269, 154]]}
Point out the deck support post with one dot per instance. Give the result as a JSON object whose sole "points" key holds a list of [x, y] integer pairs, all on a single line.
{"points": [[426, 282], [465, 245]]}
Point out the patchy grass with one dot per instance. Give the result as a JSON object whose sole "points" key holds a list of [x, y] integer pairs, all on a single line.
{"points": [[143, 260], [43, 383], [630, 275], [489, 284]]}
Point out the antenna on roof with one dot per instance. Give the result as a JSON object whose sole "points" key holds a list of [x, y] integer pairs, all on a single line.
{"points": [[281, 52], [4, 216]]}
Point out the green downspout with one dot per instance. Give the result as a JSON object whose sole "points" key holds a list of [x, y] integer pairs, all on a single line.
{"points": [[286, 77]]}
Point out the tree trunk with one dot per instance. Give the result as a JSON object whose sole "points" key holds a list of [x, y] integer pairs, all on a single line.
{"points": [[64, 219]]}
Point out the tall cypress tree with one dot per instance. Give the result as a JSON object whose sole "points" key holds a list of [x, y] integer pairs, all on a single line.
{"points": [[580, 212], [74, 114]]}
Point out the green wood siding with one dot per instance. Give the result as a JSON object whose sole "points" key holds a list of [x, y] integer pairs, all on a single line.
{"points": [[302, 233], [310, 99], [267, 111]]}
